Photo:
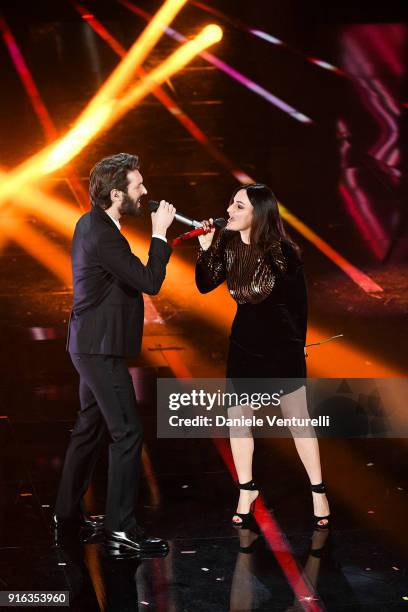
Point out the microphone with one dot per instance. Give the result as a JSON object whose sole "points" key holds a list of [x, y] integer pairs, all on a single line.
{"points": [[198, 231], [219, 223]]}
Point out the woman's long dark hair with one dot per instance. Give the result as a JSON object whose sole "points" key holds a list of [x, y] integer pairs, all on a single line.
{"points": [[267, 224]]}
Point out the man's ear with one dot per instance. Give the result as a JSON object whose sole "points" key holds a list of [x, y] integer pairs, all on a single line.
{"points": [[115, 195]]}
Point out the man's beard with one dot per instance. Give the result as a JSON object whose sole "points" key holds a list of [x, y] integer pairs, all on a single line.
{"points": [[130, 207]]}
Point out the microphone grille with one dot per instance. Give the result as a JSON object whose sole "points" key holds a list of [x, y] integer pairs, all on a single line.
{"points": [[153, 205]]}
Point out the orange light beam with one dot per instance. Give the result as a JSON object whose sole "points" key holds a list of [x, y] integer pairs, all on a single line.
{"points": [[120, 77], [216, 308], [105, 115], [209, 35], [341, 357], [88, 122], [117, 80], [39, 247], [358, 276], [60, 153], [232, 72], [56, 212], [174, 109]]}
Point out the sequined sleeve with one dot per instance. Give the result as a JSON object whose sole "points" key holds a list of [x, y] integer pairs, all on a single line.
{"points": [[210, 267], [276, 259]]}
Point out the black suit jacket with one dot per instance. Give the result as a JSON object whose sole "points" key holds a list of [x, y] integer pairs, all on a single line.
{"points": [[108, 310]]}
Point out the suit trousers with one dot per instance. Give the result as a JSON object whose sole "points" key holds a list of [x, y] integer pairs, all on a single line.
{"points": [[107, 400]]}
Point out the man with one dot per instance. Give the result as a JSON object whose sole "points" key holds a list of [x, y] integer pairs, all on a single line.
{"points": [[106, 325]]}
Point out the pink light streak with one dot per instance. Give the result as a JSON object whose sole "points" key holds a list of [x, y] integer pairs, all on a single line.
{"points": [[357, 203], [28, 82], [237, 23], [359, 220], [377, 99], [374, 38], [227, 69], [39, 107]]}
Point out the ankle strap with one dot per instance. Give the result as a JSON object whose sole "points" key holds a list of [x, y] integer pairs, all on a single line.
{"points": [[317, 552], [248, 486], [319, 488]]}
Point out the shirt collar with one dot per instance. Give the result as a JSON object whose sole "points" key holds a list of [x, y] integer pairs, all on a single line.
{"points": [[116, 222]]}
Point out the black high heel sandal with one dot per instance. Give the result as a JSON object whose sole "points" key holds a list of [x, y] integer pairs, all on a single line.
{"points": [[320, 488], [247, 518]]}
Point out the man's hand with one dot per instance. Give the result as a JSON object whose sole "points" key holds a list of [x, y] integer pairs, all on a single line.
{"points": [[162, 218], [206, 239]]}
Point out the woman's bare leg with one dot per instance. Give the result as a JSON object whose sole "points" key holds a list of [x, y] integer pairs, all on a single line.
{"points": [[242, 448], [295, 405]]}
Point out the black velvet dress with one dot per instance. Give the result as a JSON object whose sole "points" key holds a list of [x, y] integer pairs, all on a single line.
{"points": [[268, 333]]}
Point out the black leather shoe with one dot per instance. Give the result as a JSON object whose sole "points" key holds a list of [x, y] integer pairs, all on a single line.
{"points": [[137, 540], [94, 522]]}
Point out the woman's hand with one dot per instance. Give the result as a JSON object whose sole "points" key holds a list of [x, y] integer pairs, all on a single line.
{"points": [[205, 240]]}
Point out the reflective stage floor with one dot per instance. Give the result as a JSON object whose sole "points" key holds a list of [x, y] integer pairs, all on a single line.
{"points": [[188, 496]]}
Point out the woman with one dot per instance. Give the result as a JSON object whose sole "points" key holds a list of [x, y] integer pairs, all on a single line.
{"points": [[264, 274]]}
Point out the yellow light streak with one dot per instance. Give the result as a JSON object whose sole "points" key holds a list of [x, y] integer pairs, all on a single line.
{"points": [[125, 70], [77, 139], [180, 58], [60, 153], [86, 126]]}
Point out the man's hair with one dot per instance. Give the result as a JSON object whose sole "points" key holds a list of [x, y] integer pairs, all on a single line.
{"points": [[110, 173]]}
